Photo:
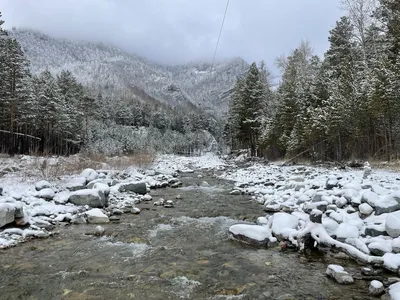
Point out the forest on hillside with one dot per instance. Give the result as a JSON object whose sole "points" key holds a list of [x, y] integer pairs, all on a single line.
{"points": [[342, 106]]}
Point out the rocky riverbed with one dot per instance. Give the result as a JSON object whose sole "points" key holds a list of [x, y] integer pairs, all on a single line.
{"points": [[194, 248]]}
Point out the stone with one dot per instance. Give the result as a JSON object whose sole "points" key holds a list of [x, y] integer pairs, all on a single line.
{"points": [[376, 288], [341, 202], [396, 245], [178, 197], [89, 175], [316, 216], [146, 197], [235, 192], [117, 212], [331, 183], [78, 219], [375, 230], [365, 209], [176, 184], [388, 203], [7, 214], [392, 224], [90, 197], [339, 274], [99, 230], [345, 231], [169, 204], [78, 183], [204, 184], [135, 210], [96, 216], [255, 235], [370, 197], [43, 184], [380, 248], [46, 193], [135, 187]]}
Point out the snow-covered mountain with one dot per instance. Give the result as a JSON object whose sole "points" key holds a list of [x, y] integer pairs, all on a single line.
{"points": [[106, 67]]}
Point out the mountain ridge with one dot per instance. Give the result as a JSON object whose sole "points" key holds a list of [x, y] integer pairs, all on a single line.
{"points": [[106, 67]]}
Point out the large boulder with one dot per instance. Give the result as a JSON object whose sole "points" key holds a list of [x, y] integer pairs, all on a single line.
{"points": [[46, 193], [339, 274], [7, 213], [90, 197], [43, 184], [284, 225], [392, 224], [78, 183], [96, 216], [135, 187], [388, 203], [252, 234], [89, 175]]}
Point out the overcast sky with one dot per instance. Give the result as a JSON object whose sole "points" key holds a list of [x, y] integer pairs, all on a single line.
{"points": [[176, 31]]}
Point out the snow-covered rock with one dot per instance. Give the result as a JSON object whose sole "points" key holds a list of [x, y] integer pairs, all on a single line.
{"points": [[96, 216], [345, 231], [394, 291], [360, 245], [7, 213], [46, 193], [89, 175], [284, 225], [43, 184], [370, 198], [90, 197], [104, 188], [391, 262], [388, 204], [376, 288], [396, 245], [381, 247], [252, 234], [135, 187], [365, 209], [77, 183], [339, 274], [146, 197], [99, 230], [392, 224]]}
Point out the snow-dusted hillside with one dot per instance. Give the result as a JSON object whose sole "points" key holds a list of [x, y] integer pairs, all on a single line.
{"points": [[104, 66]]}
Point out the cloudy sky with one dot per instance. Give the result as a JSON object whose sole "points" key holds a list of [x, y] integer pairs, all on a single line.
{"points": [[176, 31]]}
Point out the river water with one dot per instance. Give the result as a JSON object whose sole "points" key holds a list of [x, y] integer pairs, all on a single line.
{"points": [[170, 253]]}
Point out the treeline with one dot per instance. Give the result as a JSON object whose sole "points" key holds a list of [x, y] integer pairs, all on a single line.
{"points": [[55, 114], [346, 105]]}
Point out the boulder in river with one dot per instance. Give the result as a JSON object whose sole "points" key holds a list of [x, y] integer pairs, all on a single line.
{"points": [[90, 197], [252, 234], [96, 216], [339, 274], [135, 187], [376, 288]]}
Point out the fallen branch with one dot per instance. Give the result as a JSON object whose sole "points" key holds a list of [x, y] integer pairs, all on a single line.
{"points": [[21, 134]]}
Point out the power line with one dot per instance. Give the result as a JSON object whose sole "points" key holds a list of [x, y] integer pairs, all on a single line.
{"points": [[219, 36]]}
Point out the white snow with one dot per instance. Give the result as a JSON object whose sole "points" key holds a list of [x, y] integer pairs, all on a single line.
{"points": [[254, 232]]}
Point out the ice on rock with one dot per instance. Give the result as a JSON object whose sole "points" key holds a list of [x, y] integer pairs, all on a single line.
{"points": [[392, 224], [339, 274], [252, 234], [96, 216], [345, 231]]}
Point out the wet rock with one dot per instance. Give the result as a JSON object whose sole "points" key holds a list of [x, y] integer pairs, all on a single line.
{"points": [[370, 271], [78, 219], [7, 214], [339, 274], [117, 212], [392, 225], [376, 288], [46, 193], [114, 218], [99, 231], [43, 184], [135, 187], [90, 197], [146, 197], [135, 210], [96, 216], [235, 192], [169, 204], [252, 234], [316, 216], [176, 184], [78, 183]]}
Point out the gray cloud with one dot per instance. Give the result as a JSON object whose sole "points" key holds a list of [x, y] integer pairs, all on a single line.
{"points": [[176, 31]]}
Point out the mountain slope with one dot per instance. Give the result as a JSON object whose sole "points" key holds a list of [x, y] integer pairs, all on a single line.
{"points": [[105, 67]]}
